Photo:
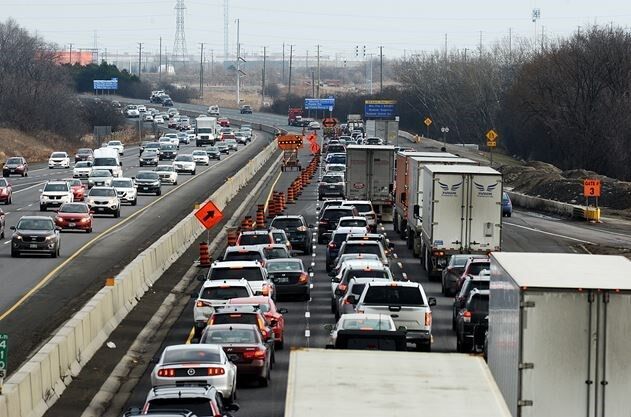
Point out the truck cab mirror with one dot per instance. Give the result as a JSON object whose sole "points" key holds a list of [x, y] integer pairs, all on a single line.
{"points": [[431, 301]]}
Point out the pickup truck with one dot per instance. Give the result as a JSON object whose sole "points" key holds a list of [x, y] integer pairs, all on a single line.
{"points": [[408, 306]]}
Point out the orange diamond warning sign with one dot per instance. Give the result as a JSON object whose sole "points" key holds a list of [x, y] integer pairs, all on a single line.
{"points": [[209, 215]]}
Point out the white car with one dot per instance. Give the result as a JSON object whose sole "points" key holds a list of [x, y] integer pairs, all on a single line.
{"points": [[173, 139], [104, 200], [82, 169], [335, 168], [55, 193], [167, 174], [100, 177], [213, 111], [159, 120], [131, 111], [205, 364], [142, 109], [185, 163], [365, 209], [216, 293], [252, 271], [314, 126], [148, 117], [118, 145], [201, 157], [59, 160], [125, 190]]}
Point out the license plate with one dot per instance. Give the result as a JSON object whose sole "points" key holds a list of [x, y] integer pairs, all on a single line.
{"points": [[282, 279], [145, 188], [331, 187], [72, 224], [33, 246], [100, 208], [12, 170]]}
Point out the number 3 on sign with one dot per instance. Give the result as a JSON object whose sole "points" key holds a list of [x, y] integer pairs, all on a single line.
{"points": [[591, 188]]}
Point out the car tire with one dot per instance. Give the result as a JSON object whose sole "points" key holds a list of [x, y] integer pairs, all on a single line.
{"points": [[15, 253], [42, 207], [55, 253], [193, 172], [89, 230], [307, 296], [265, 380], [2, 234], [25, 174], [159, 192], [509, 214], [332, 305], [117, 213], [133, 203], [424, 347]]}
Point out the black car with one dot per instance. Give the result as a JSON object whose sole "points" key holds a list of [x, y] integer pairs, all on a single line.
{"points": [[213, 152], [470, 283], [2, 224], [148, 182], [35, 234], [149, 157], [84, 154], [471, 323], [297, 230], [168, 151], [246, 109], [289, 277], [329, 219]]}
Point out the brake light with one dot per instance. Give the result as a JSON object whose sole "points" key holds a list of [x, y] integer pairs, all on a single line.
{"points": [[347, 301], [438, 253], [254, 354], [166, 372], [303, 278], [216, 371], [466, 316], [342, 287], [302, 229], [428, 318], [201, 303], [235, 315], [332, 245], [265, 290]]}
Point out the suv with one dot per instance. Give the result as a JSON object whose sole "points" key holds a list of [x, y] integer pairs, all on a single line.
{"points": [[104, 200], [332, 184], [357, 269], [297, 229], [246, 109], [452, 273], [245, 253], [329, 219], [346, 304], [35, 234], [474, 267], [55, 193], [408, 306], [242, 314], [365, 246], [470, 283], [148, 182], [15, 165], [251, 271], [216, 293], [337, 239], [471, 323], [213, 111], [365, 209], [125, 190], [202, 400]]}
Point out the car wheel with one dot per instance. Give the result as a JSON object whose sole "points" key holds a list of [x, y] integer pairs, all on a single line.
{"points": [[133, 203], [117, 213], [280, 345], [14, 253], [424, 347], [307, 296], [332, 305], [89, 230], [328, 267], [193, 173], [25, 174], [509, 214], [42, 207], [159, 192], [55, 253], [2, 234]]}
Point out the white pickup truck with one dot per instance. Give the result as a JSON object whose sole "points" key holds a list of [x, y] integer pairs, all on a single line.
{"points": [[406, 303]]}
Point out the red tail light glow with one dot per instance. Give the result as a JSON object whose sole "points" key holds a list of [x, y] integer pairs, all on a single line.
{"points": [[216, 371], [466, 316], [166, 372], [428, 318], [254, 354], [303, 278], [201, 303]]}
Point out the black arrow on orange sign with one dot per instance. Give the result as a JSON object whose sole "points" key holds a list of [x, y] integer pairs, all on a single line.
{"points": [[209, 215]]}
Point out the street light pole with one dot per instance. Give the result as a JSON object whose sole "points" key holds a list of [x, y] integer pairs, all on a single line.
{"points": [[444, 130]]}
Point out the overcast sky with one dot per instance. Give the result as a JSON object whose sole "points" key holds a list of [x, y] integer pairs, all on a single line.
{"points": [[399, 26]]}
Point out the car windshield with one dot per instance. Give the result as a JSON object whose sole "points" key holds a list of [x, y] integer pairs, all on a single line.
{"points": [[198, 406], [367, 273], [275, 253], [279, 237], [105, 162], [337, 159], [165, 168], [199, 153], [362, 208], [357, 289], [3, 182], [339, 238], [476, 268], [479, 284], [243, 256], [353, 223], [191, 356], [152, 146], [225, 336], [249, 274], [168, 147], [505, 197], [211, 149], [397, 295], [74, 208], [330, 179], [102, 192], [236, 318], [84, 151], [224, 293], [83, 164], [35, 224], [479, 304], [254, 239], [286, 223], [336, 213], [147, 176], [14, 161], [336, 168], [56, 187], [58, 155], [73, 182], [359, 248], [184, 158], [286, 266], [100, 173], [366, 324], [114, 143], [122, 184]]}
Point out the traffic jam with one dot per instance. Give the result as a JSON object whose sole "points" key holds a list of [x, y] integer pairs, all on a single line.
{"points": [[238, 318]]}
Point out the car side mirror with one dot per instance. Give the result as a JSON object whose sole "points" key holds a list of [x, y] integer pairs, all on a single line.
{"points": [[283, 311], [431, 301], [232, 407], [328, 327], [402, 329], [201, 277], [310, 226], [12, 228]]}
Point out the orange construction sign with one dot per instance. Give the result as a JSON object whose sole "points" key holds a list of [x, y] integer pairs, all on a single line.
{"points": [[289, 142], [315, 148], [312, 138], [591, 188], [209, 215]]}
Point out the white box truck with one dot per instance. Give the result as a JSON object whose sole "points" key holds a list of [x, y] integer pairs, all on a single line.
{"points": [[350, 383], [559, 333], [370, 176], [205, 130], [462, 213], [108, 158], [413, 222], [387, 130]]}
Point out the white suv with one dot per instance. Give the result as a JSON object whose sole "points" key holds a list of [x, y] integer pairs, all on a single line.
{"points": [[406, 303], [118, 145], [251, 271], [104, 200], [59, 160], [125, 190], [216, 293], [55, 193], [366, 210]]}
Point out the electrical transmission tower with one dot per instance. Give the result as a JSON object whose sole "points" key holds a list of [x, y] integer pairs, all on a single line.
{"points": [[179, 46], [226, 29]]}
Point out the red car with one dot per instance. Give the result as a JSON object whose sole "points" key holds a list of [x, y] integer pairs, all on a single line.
{"points": [[15, 165], [77, 187], [223, 122], [273, 315], [6, 191], [74, 216]]}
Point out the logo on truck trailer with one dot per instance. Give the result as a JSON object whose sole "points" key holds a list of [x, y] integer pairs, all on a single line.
{"points": [[450, 191], [485, 191]]}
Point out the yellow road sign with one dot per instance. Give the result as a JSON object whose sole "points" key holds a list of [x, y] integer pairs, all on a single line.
{"points": [[491, 143], [427, 121], [491, 135]]}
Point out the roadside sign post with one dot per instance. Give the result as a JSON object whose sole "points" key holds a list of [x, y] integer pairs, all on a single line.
{"points": [[427, 122], [491, 142], [4, 355], [444, 130], [592, 187], [209, 215]]}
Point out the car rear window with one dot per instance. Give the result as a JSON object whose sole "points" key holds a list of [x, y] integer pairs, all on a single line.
{"points": [[336, 213], [480, 285], [353, 223], [459, 261], [235, 318], [224, 336], [397, 295], [337, 159], [479, 304], [332, 179], [254, 239], [367, 273], [363, 208], [336, 148], [478, 267], [189, 355], [225, 293], [249, 274], [286, 223], [359, 248], [275, 253], [339, 238], [243, 256], [198, 406]]}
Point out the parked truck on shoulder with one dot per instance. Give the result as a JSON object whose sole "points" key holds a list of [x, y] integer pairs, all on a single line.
{"points": [[350, 383], [370, 176], [559, 329], [461, 213]]}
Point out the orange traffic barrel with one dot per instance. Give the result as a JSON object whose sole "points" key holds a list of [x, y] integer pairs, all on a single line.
{"points": [[204, 257], [232, 236]]}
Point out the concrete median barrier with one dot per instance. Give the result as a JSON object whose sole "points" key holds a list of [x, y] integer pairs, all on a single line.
{"points": [[38, 383], [546, 206]]}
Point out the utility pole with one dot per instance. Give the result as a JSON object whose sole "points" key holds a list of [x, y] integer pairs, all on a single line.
{"points": [[480, 44], [380, 69], [212, 64], [510, 45], [291, 55], [307, 61], [318, 87], [201, 71], [139, 57], [283, 62], [238, 67], [70, 57], [465, 54], [263, 78], [312, 83], [445, 47], [160, 62]]}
